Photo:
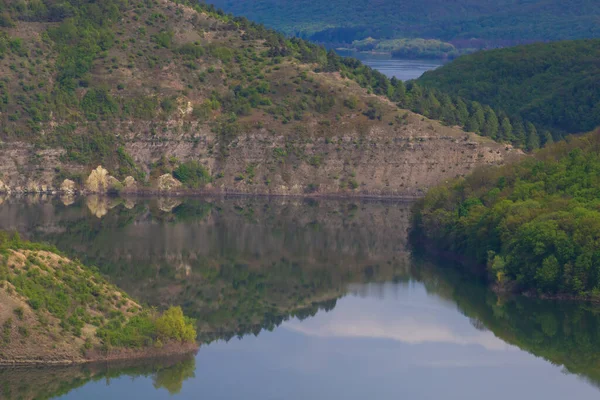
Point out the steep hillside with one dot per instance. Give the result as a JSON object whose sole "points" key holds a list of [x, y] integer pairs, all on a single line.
{"points": [[498, 21], [555, 86], [532, 226], [57, 311], [158, 90]]}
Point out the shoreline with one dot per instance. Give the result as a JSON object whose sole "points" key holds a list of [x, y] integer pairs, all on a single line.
{"points": [[217, 193], [117, 355], [469, 266]]}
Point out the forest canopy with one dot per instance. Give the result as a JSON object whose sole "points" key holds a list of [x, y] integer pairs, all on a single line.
{"points": [[552, 85], [535, 224]]}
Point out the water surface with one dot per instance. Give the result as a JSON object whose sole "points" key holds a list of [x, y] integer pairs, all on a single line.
{"points": [[305, 299], [402, 69]]}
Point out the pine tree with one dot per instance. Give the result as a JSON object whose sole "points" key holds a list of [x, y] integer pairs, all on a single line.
{"points": [[491, 125], [462, 112], [399, 92], [519, 133], [476, 119], [506, 130], [449, 114], [533, 139], [547, 138]]}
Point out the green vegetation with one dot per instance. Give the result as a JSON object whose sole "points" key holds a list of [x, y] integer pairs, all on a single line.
{"points": [[148, 329], [87, 83], [564, 333], [68, 296], [534, 224], [411, 48], [192, 174], [498, 21], [552, 85]]}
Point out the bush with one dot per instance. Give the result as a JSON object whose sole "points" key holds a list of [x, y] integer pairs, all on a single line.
{"points": [[192, 174], [173, 325]]}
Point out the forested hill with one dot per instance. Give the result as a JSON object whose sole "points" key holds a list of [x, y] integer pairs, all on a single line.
{"points": [[533, 224], [555, 86], [496, 20]]}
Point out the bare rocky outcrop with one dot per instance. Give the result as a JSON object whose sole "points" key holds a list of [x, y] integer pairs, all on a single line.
{"points": [[166, 183], [4, 188], [68, 187], [129, 184], [99, 181]]}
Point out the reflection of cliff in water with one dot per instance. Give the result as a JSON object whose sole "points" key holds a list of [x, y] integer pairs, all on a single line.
{"points": [[562, 332], [237, 265], [46, 383]]}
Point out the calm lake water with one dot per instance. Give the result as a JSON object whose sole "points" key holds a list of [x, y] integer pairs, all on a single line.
{"points": [[305, 299], [394, 67]]}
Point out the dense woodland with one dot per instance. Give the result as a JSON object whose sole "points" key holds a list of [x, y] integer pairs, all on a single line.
{"points": [[555, 86], [535, 224], [494, 21]]}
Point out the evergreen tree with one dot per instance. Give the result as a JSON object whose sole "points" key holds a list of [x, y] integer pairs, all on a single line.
{"points": [[416, 98], [547, 138], [533, 139], [519, 133], [462, 112], [506, 130], [477, 118], [491, 125], [449, 113], [432, 106]]}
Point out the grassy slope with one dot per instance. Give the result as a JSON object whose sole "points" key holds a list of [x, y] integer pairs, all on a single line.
{"points": [[55, 310], [553, 85], [355, 19]]}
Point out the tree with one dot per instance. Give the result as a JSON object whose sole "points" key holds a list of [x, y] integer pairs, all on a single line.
{"points": [[506, 130], [462, 112], [547, 138], [533, 139], [449, 113], [519, 133], [477, 118], [491, 125]]}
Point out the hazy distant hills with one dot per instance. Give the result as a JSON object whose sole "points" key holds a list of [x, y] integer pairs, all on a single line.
{"points": [[492, 20]]}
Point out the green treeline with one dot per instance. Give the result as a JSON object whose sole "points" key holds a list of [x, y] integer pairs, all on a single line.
{"points": [[535, 223], [343, 21], [410, 48], [555, 86]]}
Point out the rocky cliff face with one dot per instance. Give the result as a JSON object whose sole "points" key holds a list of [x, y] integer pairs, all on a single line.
{"points": [[378, 159]]}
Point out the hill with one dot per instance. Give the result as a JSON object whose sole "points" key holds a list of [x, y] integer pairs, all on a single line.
{"points": [[500, 22], [553, 85], [57, 311], [532, 226], [158, 90]]}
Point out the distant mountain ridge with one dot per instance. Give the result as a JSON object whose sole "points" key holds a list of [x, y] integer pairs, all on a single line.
{"points": [[510, 21]]}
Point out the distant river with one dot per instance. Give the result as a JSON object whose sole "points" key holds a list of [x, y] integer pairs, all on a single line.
{"points": [[394, 67]]}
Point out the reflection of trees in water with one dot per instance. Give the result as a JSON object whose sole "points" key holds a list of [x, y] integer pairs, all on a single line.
{"points": [[562, 332], [237, 265], [46, 383]]}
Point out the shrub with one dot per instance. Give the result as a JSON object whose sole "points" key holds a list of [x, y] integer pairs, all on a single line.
{"points": [[192, 174]]}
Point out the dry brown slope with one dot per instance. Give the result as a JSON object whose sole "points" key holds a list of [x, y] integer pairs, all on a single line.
{"points": [[309, 132]]}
